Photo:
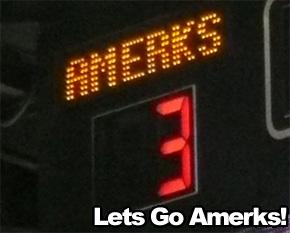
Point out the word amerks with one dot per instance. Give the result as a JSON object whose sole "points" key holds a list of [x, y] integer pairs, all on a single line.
{"points": [[143, 55]]}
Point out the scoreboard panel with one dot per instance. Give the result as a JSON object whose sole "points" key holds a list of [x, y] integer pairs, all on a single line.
{"points": [[145, 121], [160, 103]]}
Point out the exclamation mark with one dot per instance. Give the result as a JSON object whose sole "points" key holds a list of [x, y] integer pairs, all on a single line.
{"points": [[283, 216]]}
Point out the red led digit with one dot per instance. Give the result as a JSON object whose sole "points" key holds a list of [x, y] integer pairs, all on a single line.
{"points": [[181, 145]]}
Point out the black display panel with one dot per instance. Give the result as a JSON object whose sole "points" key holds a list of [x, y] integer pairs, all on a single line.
{"points": [[150, 159]]}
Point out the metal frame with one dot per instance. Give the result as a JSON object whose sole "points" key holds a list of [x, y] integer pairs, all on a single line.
{"points": [[274, 132]]}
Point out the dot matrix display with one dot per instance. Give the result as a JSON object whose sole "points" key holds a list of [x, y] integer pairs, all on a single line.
{"points": [[143, 55]]}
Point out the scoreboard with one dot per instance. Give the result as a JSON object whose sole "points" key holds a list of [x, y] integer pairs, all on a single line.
{"points": [[117, 144], [170, 111], [175, 104]]}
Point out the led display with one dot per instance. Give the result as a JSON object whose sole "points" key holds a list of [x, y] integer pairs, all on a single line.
{"points": [[165, 167], [143, 55]]}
